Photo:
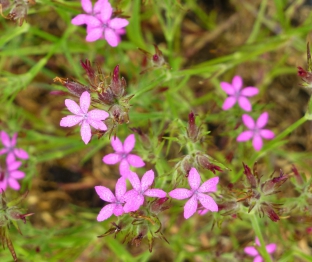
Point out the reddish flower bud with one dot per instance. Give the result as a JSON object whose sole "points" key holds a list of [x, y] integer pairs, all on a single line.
{"points": [[15, 214], [158, 59], [297, 175], [74, 88], [204, 162], [118, 85], [270, 187], [192, 129], [5, 4], [89, 70], [144, 138], [305, 76], [106, 97], [157, 206], [119, 114], [269, 211], [250, 177]]}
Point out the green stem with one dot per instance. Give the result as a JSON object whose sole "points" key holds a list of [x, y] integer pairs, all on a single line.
{"points": [[257, 24], [255, 224]]}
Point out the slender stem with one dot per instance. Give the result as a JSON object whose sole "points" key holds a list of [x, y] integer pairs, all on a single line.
{"points": [[255, 224]]}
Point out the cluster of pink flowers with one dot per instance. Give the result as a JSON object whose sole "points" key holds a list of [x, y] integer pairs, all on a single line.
{"points": [[256, 130], [125, 202], [101, 23], [9, 173]]}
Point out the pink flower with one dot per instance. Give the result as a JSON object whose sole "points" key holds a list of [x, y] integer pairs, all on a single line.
{"points": [[196, 193], [236, 94], [135, 197], [90, 17], [117, 201], [9, 174], [83, 117], [252, 251], [255, 130], [99, 22], [10, 146], [122, 155]]}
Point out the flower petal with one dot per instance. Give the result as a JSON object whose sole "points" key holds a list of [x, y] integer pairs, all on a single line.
{"points": [[267, 134], [134, 201], [106, 11], [69, 121], [135, 160], [13, 140], [262, 120], [105, 194], [227, 88], [129, 143], [85, 100], [250, 91], [117, 145], [180, 193], [85, 132], [202, 212], [14, 184], [124, 168], [98, 115], [257, 142], [5, 138], [237, 83], [244, 103], [17, 174], [251, 251], [209, 186], [208, 202], [73, 107], [3, 151], [120, 188], [229, 102], [111, 159], [118, 211], [118, 23], [194, 178], [134, 180], [97, 124], [94, 34], [86, 6], [98, 6], [147, 180], [270, 248], [190, 207], [80, 19], [248, 121], [106, 212], [13, 165], [155, 193], [258, 259], [245, 136], [20, 153], [111, 37]]}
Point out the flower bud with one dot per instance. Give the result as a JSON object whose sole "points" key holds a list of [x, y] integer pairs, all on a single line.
{"points": [[89, 70], [250, 177], [305, 76], [73, 87], [106, 97], [204, 162], [298, 177], [119, 114], [5, 4], [192, 129], [158, 59], [157, 206], [269, 211], [118, 85]]}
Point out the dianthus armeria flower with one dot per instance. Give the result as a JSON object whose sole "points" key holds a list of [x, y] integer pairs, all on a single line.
{"points": [[197, 192], [104, 26], [122, 155], [9, 146], [116, 202], [252, 251], [83, 117], [9, 174], [135, 197], [256, 131], [237, 94]]}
